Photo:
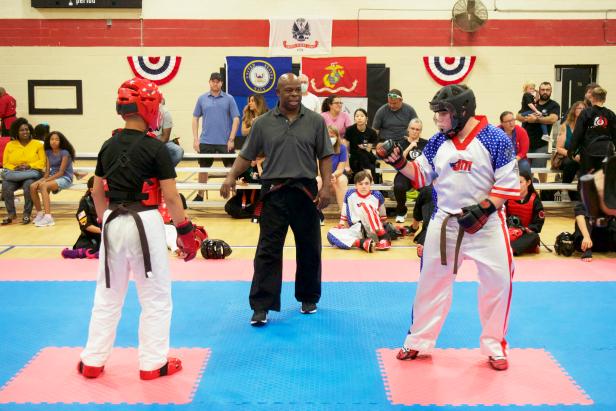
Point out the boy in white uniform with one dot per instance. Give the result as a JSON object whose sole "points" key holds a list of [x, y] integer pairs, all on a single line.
{"points": [[473, 171], [364, 212]]}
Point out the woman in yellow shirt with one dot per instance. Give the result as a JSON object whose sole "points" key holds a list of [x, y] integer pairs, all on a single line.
{"points": [[23, 162]]}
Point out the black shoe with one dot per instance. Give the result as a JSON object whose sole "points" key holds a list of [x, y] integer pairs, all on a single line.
{"points": [[308, 308], [198, 198], [259, 318]]}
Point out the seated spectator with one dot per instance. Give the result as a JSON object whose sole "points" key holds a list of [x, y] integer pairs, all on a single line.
{"points": [[411, 147], [424, 207], [361, 139], [244, 203], [58, 176], [41, 131], [23, 162], [525, 218], [163, 133], [361, 218], [519, 139], [334, 115], [569, 165], [255, 107], [89, 241], [339, 180], [588, 238]]}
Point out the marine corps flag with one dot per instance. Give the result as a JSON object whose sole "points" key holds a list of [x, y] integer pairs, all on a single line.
{"points": [[344, 76]]}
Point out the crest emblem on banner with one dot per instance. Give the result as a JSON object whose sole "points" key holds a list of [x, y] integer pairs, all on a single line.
{"points": [[449, 70], [345, 76], [259, 76], [300, 32], [159, 70]]}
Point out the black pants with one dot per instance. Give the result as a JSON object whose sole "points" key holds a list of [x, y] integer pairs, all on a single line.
{"points": [[401, 185], [288, 206], [570, 168], [526, 243]]}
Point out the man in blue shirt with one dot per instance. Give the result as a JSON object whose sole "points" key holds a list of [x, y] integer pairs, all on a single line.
{"points": [[220, 120]]}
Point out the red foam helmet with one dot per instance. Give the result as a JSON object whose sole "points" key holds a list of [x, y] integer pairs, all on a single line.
{"points": [[141, 97]]}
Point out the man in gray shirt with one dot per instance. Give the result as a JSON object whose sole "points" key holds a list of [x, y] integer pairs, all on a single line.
{"points": [[392, 119], [292, 138]]}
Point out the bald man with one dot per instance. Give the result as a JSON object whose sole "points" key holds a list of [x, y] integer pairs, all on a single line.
{"points": [[309, 100], [292, 138]]}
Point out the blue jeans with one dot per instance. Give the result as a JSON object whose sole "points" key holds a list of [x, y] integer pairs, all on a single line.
{"points": [[544, 127], [9, 187], [524, 165], [176, 152]]}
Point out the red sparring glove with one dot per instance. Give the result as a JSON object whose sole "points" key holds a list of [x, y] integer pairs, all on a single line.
{"points": [[187, 241], [474, 217], [386, 149]]}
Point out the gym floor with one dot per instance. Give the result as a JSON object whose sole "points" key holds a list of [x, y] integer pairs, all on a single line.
{"points": [[561, 332]]}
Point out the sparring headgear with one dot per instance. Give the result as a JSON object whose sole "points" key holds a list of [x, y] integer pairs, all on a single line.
{"points": [[459, 101], [564, 244], [514, 221], [141, 97], [215, 249]]}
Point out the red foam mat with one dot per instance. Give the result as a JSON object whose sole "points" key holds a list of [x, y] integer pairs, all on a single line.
{"points": [[52, 377], [565, 269], [464, 377]]}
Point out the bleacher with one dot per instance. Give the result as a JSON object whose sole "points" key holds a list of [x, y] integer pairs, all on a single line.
{"points": [[188, 185]]}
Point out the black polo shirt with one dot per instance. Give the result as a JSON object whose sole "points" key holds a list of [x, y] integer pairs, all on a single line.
{"points": [[148, 159], [534, 129], [290, 148]]}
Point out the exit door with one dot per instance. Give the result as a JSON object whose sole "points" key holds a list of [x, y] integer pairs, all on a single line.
{"points": [[573, 81]]}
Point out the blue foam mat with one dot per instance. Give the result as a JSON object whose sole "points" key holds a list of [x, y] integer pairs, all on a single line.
{"points": [[322, 361]]}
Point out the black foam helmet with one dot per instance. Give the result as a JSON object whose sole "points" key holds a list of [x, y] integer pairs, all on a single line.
{"points": [[564, 244], [459, 100]]}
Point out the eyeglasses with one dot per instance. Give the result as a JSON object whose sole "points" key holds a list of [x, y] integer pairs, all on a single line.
{"points": [[393, 95]]}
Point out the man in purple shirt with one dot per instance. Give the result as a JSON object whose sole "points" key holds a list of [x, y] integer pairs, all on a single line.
{"points": [[220, 120]]}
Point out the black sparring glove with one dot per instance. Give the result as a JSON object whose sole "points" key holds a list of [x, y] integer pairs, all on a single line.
{"points": [[386, 149], [474, 217]]}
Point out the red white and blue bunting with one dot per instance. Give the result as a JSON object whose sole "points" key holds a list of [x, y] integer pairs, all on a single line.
{"points": [[449, 70], [159, 70]]}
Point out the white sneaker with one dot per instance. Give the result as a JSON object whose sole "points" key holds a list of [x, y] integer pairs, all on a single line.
{"points": [[39, 217], [545, 137], [45, 222], [400, 218]]}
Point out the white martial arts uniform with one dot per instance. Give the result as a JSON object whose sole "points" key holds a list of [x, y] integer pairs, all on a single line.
{"points": [[464, 174], [367, 211], [154, 293]]}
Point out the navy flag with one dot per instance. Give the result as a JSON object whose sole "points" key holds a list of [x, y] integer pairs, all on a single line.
{"points": [[255, 75]]}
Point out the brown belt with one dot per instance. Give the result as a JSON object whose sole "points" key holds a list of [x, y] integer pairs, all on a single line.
{"points": [[444, 244], [132, 209]]}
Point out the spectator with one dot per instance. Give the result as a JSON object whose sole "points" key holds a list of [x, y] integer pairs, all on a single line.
{"points": [[594, 134], [58, 176], [220, 120], [309, 100], [519, 139], [550, 111], [332, 112], [362, 139], [525, 218], [163, 133], [587, 238], [364, 215], [23, 162], [588, 92], [41, 131], [568, 165], [339, 180], [411, 147], [529, 98], [89, 241], [255, 107], [244, 202], [392, 119], [8, 113], [422, 211]]}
